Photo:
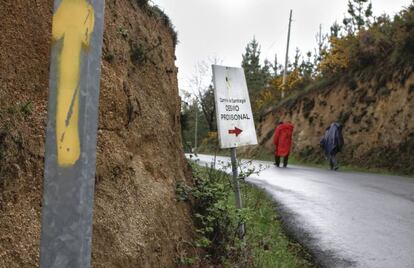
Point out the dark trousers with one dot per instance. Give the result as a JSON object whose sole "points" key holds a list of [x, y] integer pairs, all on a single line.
{"points": [[285, 160], [333, 164]]}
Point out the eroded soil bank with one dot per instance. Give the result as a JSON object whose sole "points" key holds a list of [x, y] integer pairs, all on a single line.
{"points": [[378, 119], [137, 221]]}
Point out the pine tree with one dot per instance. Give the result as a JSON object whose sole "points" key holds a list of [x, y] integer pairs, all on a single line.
{"points": [[275, 67], [307, 67], [206, 100], [360, 12], [297, 58], [256, 76], [335, 30]]}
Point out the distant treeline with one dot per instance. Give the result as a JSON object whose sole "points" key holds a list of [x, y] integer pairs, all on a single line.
{"points": [[359, 45]]}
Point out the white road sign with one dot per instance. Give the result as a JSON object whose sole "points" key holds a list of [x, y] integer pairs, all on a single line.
{"points": [[234, 114]]}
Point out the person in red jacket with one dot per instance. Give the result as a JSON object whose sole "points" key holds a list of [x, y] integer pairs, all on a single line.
{"points": [[282, 140]]}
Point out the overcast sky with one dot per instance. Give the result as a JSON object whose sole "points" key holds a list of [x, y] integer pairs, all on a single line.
{"points": [[222, 28]]}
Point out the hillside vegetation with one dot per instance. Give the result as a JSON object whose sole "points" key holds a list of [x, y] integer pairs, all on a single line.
{"points": [[360, 74], [364, 80], [363, 48]]}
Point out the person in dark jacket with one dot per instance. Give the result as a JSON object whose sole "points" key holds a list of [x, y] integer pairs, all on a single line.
{"points": [[282, 140], [332, 143]]}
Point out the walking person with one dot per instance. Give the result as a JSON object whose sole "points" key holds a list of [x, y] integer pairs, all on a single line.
{"points": [[332, 143], [282, 140]]}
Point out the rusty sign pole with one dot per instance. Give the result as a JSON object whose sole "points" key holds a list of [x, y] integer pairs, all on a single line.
{"points": [[70, 159]]}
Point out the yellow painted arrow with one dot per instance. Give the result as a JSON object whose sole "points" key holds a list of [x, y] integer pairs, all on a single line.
{"points": [[73, 22]]}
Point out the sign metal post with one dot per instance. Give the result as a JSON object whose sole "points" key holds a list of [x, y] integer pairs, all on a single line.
{"points": [[236, 186], [70, 158]]}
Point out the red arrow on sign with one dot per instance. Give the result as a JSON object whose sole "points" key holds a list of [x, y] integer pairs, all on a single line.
{"points": [[236, 131]]}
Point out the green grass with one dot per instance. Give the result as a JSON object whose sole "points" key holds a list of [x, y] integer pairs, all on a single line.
{"points": [[265, 244], [266, 240]]}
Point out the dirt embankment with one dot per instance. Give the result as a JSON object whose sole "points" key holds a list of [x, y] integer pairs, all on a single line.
{"points": [[137, 221], [378, 119]]}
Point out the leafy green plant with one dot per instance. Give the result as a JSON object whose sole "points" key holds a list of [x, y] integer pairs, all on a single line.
{"points": [[216, 219], [182, 191], [217, 222], [187, 261], [215, 226]]}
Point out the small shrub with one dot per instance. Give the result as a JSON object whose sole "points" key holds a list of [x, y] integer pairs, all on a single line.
{"points": [[27, 109], [24, 110], [142, 3], [124, 33], [209, 143], [187, 261], [338, 58], [166, 21], [109, 57], [182, 191], [214, 225], [138, 56], [216, 219]]}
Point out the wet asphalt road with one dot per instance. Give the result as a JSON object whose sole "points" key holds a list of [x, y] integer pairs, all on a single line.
{"points": [[345, 219]]}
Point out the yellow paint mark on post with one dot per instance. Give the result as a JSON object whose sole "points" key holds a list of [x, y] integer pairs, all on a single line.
{"points": [[73, 22]]}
